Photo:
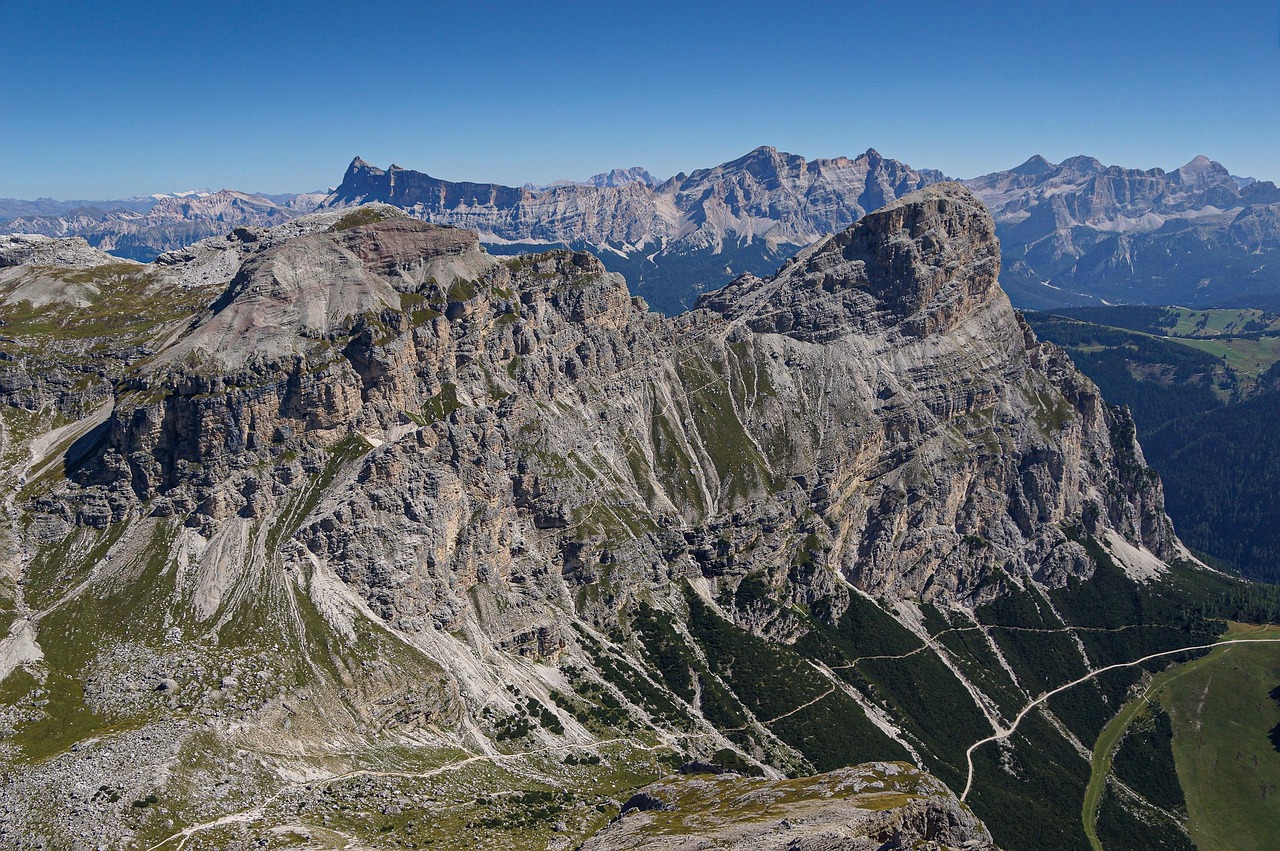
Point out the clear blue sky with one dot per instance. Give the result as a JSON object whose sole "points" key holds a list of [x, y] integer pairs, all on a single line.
{"points": [[103, 100]]}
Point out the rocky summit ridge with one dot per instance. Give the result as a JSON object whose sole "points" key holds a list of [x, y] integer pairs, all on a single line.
{"points": [[1078, 232], [370, 521], [1074, 232], [767, 195]]}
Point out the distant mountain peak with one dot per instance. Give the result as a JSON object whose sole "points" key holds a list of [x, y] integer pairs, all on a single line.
{"points": [[622, 176], [1082, 162], [1202, 173], [360, 167], [187, 193], [1036, 165]]}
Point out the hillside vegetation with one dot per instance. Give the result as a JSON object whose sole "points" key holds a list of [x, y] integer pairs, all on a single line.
{"points": [[1205, 407]]}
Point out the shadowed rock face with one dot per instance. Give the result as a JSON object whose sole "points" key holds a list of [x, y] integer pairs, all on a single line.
{"points": [[404, 493], [880, 377]]}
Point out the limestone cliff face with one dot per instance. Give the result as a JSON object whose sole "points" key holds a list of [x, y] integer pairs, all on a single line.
{"points": [[878, 393], [923, 264], [375, 504], [966, 429]]}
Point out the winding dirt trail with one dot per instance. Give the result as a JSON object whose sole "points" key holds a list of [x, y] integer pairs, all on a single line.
{"points": [[256, 812], [1006, 733]]}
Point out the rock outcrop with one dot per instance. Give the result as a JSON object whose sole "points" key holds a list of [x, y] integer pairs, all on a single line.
{"points": [[38, 250], [921, 266], [408, 498], [885, 805]]}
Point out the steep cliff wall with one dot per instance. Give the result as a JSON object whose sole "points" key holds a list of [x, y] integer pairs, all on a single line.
{"points": [[388, 498]]}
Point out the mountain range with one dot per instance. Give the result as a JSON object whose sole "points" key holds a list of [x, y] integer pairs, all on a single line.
{"points": [[1073, 233], [346, 532], [147, 228], [1079, 233]]}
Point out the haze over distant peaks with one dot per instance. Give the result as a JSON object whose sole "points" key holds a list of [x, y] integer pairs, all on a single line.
{"points": [[1075, 232], [671, 239], [1079, 232], [613, 177]]}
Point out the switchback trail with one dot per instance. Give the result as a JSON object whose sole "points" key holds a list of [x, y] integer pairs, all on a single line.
{"points": [[1004, 734]]}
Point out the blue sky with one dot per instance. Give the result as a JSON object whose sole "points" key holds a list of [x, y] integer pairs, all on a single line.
{"points": [[107, 100]]}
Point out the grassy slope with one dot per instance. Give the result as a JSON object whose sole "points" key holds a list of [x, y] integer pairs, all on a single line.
{"points": [[1104, 750], [1228, 768], [1208, 323], [1100, 765], [1249, 358], [1218, 333], [1222, 713], [1179, 321]]}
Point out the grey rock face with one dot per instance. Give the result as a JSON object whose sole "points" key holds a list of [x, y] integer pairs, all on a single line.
{"points": [[1078, 231], [171, 223], [37, 250], [379, 494], [922, 263]]}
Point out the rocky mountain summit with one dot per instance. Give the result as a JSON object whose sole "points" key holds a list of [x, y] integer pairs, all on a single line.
{"points": [[378, 538], [613, 177]]}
